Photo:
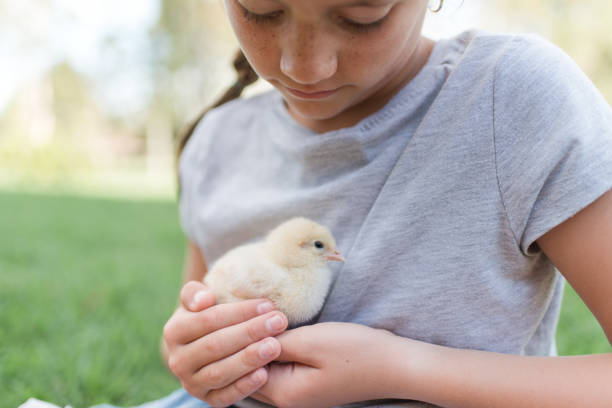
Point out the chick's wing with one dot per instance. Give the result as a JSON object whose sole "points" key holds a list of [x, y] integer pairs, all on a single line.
{"points": [[243, 273]]}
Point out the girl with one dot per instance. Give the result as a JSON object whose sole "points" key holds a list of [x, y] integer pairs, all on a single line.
{"points": [[459, 178]]}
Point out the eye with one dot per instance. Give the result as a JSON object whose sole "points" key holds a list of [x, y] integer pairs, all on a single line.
{"points": [[363, 19], [319, 245], [361, 27], [260, 18]]}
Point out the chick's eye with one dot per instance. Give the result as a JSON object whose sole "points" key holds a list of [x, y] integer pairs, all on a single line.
{"points": [[318, 245]]}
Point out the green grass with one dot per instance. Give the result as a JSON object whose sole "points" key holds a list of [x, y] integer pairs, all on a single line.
{"points": [[578, 332], [86, 286]]}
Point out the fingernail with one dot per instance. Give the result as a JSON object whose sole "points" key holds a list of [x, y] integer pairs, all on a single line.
{"points": [[274, 324], [267, 350], [265, 308], [196, 299], [258, 376]]}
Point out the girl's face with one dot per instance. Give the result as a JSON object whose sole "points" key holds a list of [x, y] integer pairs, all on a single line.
{"points": [[334, 61]]}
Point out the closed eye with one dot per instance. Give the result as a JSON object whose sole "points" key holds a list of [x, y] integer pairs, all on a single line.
{"points": [[260, 18], [361, 27], [344, 22]]}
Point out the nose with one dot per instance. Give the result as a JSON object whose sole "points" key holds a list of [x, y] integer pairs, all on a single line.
{"points": [[308, 57]]}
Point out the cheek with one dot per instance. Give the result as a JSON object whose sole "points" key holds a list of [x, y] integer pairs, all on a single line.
{"points": [[395, 40], [356, 58], [390, 48], [258, 44], [262, 53]]}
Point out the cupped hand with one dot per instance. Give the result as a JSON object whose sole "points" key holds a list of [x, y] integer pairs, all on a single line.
{"points": [[330, 364], [218, 351]]}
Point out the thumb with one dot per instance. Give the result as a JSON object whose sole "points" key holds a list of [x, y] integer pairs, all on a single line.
{"points": [[196, 296], [299, 345]]}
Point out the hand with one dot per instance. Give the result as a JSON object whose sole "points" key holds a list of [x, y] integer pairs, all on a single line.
{"points": [[331, 364], [218, 351]]}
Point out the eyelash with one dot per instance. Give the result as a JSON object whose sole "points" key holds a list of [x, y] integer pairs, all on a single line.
{"points": [[362, 28], [260, 18], [346, 23]]}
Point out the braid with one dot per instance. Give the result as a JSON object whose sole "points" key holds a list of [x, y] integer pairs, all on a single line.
{"points": [[246, 76]]}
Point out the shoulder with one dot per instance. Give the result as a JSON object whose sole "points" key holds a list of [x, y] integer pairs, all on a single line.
{"points": [[486, 63], [213, 151], [536, 67], [538, 89], [234, 114], [512, 56], [541, 96], [511, 46], [226, 124], [240, 109], [552, 136]]}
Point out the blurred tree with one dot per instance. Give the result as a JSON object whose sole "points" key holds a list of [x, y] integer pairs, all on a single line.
{"points": [[59, 126], [92, 119], [54, 128], [193, 57]]}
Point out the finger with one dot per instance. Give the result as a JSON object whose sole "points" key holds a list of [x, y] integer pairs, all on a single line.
{"points": [[189, 359], [260, 396], [196, 296], [185, 327], [282, 377], [238, 390], [229, 340], [288, 384], [222, 373], [297, 345]]}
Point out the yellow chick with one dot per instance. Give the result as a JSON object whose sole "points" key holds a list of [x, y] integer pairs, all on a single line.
{"points": [[289, 267]]}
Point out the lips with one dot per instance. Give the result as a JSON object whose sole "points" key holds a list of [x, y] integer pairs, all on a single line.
{"points": [[312, 95]]}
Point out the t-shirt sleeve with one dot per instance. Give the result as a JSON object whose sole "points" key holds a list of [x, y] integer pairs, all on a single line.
{"points": [[553, 138]]}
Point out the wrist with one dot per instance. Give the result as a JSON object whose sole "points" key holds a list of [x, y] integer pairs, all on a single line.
{"points": [[412, 362]]}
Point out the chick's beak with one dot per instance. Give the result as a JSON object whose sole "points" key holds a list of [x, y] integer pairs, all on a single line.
{"points": [[336, 256]]}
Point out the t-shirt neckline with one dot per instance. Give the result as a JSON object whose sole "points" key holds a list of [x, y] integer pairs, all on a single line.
{"points": [[413, 86]]}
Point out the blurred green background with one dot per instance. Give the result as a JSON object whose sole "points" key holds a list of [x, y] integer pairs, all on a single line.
{"points": [[91, 98]]}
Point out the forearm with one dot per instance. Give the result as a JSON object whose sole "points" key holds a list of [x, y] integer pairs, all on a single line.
{"points": [[456, 378]]}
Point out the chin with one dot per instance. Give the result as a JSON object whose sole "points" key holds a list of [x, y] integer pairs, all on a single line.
{"points": [[316, 110]]}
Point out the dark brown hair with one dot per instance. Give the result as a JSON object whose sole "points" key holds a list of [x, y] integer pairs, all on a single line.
{"points": [[246, 76]]}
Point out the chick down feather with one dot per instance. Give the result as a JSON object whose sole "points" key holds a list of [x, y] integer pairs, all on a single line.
{"points": [[289, 267]]}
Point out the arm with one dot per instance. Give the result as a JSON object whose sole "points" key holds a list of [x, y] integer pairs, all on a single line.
{"points": [[581, 249], [368, 364]]}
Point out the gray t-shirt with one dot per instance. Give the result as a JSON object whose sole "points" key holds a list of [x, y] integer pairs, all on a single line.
{"points": [[436, 200]]}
